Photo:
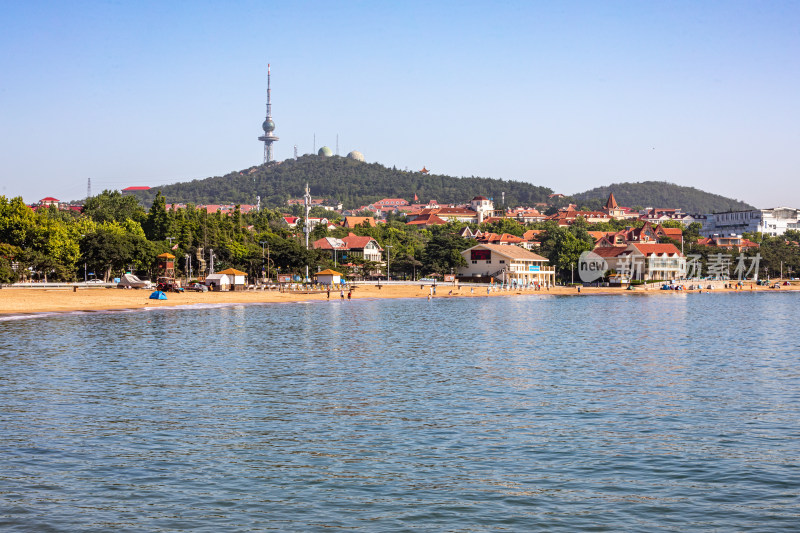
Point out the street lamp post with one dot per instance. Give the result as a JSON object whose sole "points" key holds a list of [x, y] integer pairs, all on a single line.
{"points": [[388, 262], [262, 258]]}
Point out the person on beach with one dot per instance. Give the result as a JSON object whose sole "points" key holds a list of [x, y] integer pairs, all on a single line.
{"points": [[329, 293], [350, 294], [342, 294]]}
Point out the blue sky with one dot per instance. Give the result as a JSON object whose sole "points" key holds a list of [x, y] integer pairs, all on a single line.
{"points": [[568, 95]]}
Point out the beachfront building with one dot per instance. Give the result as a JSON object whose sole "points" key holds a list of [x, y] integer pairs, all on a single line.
{"points": [[328, 277], [218, 282], [644, 261], [349, 247], [506, 263], [238, 279], [774, 222]]}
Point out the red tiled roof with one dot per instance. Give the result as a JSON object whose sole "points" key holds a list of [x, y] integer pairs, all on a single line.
{"points": [[597, 235], [351, 222], [136, 188], [355, 241], [448, 211], [648, 249], [531, 234], [392, 201], [427, 220], [609, 251], [489, 237]]}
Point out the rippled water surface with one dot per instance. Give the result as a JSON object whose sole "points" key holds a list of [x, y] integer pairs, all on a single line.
{"points": [[603, 413]]}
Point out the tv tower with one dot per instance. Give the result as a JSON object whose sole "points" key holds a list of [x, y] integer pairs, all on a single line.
{"points": [[268, 126]]}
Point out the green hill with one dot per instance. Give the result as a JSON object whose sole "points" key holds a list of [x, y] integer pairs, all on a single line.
{"points": [[659, 194], [350, 182]]}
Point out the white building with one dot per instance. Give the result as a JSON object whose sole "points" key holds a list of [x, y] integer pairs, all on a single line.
{"points": [[645, 261], [774, 221], [483, 206], [507, 263]]}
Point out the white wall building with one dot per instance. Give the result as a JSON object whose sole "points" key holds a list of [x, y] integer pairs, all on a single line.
{"points": [[505, 263], [774, 221], [483, 206]]}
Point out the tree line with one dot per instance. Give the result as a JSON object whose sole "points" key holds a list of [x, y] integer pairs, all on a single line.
{"points": [[116, 234]]}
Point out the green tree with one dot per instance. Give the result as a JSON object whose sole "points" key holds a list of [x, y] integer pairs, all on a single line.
{"points": [[157, 220], [563, 248], [443, 253], [112, 206]]}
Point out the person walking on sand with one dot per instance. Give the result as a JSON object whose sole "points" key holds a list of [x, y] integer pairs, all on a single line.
{"points": [[329, 293]]}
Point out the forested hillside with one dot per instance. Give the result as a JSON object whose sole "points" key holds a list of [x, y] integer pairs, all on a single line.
{"points": [[351, 182], [659, 194]]}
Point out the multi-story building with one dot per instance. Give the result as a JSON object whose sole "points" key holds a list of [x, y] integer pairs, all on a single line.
{"points": [[774, 221]]}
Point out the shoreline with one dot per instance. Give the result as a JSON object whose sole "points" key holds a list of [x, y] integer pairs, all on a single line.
{"points": [[30, 301]]}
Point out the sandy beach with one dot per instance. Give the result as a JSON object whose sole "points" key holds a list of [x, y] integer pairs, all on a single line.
{"points": [[24, 300]]}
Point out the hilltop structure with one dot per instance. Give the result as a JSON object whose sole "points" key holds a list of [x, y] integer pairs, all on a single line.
{"points": [[269, 125]]}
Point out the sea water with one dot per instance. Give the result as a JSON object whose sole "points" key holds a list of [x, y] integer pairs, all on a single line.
{"points": [[676, 412]]}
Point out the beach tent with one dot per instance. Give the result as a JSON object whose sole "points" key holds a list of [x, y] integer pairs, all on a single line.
{"points": [[237, 277], [218, 282], [329, 277], [132, 281], [158, 295]]}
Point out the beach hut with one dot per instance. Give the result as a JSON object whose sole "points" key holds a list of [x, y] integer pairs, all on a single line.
{"points": [[237, 277], [329, 277], [218, 282]]}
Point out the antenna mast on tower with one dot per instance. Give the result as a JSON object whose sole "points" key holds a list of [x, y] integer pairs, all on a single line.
{"points": [[269, 125], [89, 188]]}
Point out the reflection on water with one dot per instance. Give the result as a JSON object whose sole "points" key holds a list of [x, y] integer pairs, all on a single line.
{"points": [[676, 412]]}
